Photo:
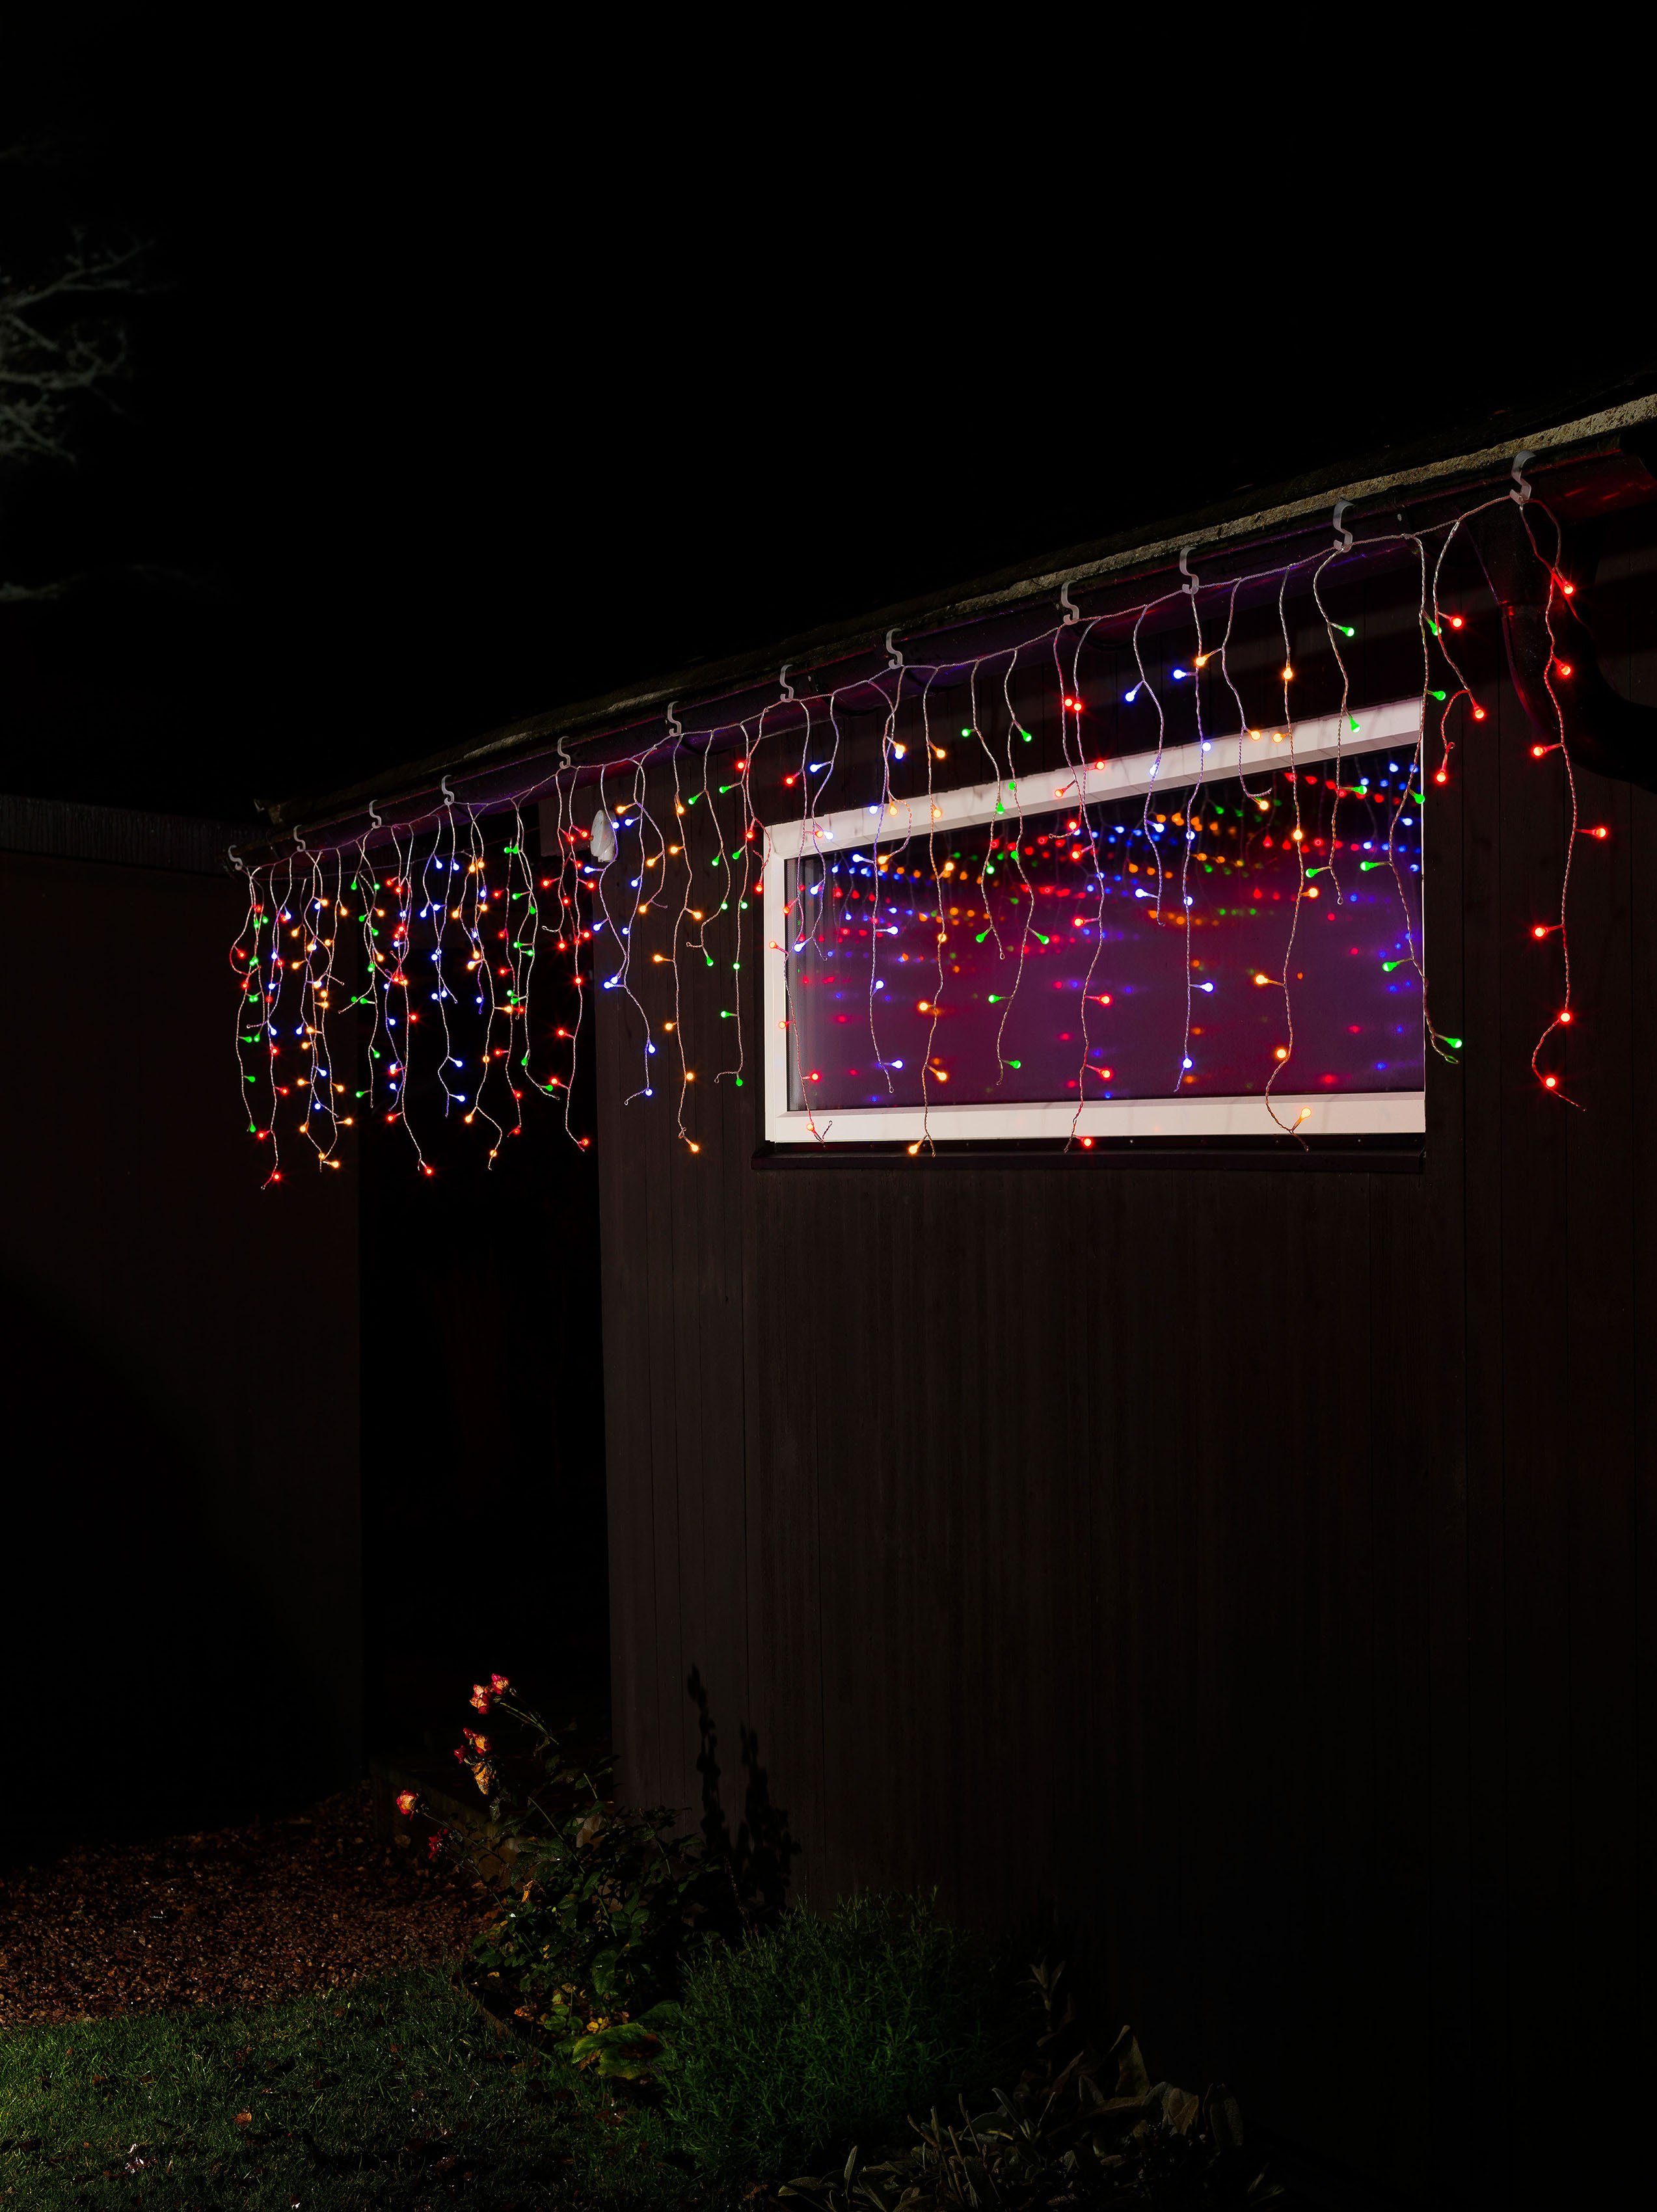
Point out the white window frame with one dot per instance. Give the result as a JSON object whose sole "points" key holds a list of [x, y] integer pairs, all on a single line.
{"points": [[1350, 1112]]}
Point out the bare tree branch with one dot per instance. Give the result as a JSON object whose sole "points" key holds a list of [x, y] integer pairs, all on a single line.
{"points": [[63, 348], [62, 343]]}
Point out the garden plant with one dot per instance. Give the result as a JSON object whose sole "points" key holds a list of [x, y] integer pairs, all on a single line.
{"points": [[637, 2024]]}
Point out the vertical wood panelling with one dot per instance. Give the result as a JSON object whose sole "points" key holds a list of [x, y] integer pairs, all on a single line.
{"points": [[631, 1466], [1640, 1701], [1531, 1810], [1435, 1332], [1602, 1357], [1245, 1564], [1486, 1079]]}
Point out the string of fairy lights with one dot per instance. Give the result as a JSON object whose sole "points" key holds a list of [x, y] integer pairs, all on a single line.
{"points": [[433, 967]]}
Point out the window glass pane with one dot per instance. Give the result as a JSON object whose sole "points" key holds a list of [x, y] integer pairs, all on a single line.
{"points": [[1123, 951]]}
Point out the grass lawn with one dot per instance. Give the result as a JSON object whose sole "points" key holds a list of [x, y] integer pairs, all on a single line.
{"points": [[398, 2093]]}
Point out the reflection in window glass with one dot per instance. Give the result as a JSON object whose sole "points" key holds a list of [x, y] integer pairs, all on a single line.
{"points": [[1126, 950]]}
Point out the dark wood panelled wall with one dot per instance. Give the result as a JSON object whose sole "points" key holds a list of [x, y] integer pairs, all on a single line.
{"points": [[181, 1628], [1244, 1562]]}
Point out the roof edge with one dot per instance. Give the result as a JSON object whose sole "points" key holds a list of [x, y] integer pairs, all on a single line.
{"points": [[1296, 499]]}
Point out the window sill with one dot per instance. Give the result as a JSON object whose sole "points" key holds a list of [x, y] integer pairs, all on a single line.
{"points": [[1383, 1154]]}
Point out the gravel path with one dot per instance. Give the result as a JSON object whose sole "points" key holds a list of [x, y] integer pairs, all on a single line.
{"points": [[241, 1916]]}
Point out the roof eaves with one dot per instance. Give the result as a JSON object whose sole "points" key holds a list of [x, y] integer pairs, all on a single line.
{"points": [[1442, 463]]}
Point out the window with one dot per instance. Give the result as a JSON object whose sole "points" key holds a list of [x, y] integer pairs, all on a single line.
{"points": [[1127, 950]]}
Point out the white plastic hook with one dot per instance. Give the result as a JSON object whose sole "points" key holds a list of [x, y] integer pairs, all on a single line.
{"points": [[1523, 491], [374, 816], [235, 861], [1187, 572], [448, 796], [1343, 535], [1072, 613], [787, 688], [894, 657], [674, 727], [299, 841]]}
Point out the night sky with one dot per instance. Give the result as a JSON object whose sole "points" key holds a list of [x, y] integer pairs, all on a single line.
{"points": [[472, 382]]}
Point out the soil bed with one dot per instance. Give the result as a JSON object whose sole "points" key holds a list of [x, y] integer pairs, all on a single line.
{"points": [[239, 1916]]}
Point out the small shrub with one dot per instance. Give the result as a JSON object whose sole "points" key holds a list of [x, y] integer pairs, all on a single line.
{"points": [[1081, 2127], [596, 1902], [817, 2030]]}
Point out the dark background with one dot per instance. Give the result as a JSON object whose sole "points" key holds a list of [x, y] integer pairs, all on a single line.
{"points": [[181, 1628], [482, 1428], [480, 376]]}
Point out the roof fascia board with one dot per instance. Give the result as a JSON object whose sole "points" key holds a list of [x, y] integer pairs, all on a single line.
{"points": [[1111, 559]]}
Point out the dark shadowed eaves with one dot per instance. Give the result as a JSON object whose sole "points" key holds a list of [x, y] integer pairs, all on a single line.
{"points": [[618, 725]]}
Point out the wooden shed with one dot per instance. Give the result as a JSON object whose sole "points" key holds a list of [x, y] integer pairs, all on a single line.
{"points": [[1216, 1518]]}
